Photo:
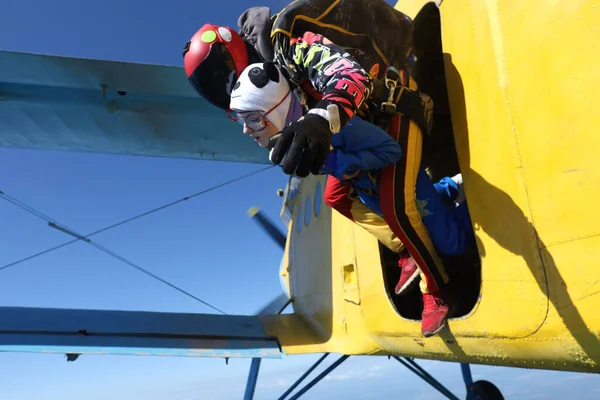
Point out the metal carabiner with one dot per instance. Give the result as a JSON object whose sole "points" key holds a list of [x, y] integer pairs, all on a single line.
{"points": [[389, 106]]}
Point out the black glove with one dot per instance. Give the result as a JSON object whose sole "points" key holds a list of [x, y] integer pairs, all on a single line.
{"points": [[306, 142]]}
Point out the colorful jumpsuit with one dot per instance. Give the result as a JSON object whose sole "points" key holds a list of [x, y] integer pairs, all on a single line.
{"points": [[332, 76]]}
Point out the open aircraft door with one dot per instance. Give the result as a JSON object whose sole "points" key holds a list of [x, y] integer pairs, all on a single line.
{"points": [[513, 297]]}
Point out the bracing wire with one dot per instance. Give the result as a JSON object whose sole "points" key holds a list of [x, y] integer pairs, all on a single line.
{"points": [[51, 249], [52, 223], [158, 278]]}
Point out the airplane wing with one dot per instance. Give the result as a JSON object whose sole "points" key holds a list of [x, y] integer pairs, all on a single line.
{"points": [[71, 331], [75, 332], [86, 105]]}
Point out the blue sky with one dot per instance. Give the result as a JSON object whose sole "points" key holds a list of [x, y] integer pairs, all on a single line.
{"points": [[207, 245]]}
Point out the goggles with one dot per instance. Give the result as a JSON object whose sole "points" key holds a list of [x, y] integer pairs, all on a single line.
{"points": [[255, 120]]}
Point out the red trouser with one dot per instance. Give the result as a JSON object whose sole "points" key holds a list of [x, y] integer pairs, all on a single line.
{"points": [[342, 198], [339, 196]]}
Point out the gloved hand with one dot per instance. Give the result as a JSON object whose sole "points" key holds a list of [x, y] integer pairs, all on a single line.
{"points": [[306, 142]]}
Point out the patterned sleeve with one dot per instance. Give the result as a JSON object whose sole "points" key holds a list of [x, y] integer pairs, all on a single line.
{"points": [[332, 72]]}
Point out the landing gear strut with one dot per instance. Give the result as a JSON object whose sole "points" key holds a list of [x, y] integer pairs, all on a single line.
{"points": [[480, 390]]}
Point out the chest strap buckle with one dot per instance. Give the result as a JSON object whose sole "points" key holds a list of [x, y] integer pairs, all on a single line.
{"points": [[391, 77]]}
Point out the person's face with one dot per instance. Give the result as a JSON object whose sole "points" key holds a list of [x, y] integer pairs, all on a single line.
{"points": [[261, 136]]}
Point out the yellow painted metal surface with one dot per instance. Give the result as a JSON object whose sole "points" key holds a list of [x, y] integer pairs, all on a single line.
{"points": [[529, 85], [322, 272], [523, 80]]}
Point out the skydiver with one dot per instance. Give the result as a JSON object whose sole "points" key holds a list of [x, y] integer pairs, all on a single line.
{"points": [[215, 57], [264, 103]]}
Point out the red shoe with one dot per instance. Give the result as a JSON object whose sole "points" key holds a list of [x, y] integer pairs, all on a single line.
{"points": [[435, 312], [408, 275]]}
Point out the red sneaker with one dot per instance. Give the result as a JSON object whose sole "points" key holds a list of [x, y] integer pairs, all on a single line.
{"points": [[435, 312], [408, 275]]}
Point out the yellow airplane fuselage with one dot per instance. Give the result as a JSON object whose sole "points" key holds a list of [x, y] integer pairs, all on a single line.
{"points": [[523, 85]]}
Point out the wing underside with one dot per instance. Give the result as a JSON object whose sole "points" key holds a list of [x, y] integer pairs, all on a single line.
{"points": [[85, 105]]}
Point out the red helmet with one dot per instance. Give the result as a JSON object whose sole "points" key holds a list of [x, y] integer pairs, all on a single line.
{"points": [[213, 58]]}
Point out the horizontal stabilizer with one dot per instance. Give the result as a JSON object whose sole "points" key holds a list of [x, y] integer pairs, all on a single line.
{"points": [[47, 330], [85, 105]]}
